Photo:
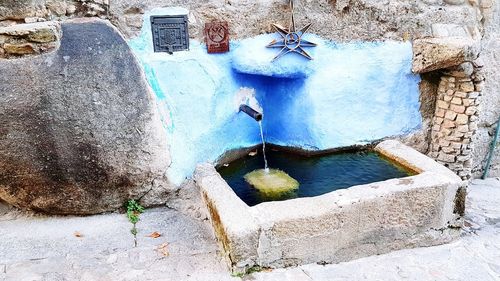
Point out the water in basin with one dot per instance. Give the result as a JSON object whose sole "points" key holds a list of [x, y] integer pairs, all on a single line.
{"points": [[316, 175]]}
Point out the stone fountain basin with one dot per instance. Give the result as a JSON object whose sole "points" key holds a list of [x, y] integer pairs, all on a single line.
{"points": [[363, 220]]}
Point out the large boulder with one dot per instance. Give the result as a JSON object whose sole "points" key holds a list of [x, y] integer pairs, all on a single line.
{"points": [[79, 129]]}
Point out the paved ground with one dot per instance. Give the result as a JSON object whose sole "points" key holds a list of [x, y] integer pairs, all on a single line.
{"points": [[42, 248]]}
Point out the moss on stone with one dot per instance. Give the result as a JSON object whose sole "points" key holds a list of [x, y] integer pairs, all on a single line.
{"points": [[44, 35], [272, 181]]}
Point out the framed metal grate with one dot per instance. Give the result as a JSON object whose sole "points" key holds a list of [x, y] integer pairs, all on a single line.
{"points": [[170, 33]]}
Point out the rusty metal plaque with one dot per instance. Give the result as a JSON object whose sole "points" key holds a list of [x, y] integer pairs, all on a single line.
{"points": [[217, 37], [170, 33]]}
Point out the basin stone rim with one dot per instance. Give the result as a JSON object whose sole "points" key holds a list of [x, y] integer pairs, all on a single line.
{"points": [[425, 168], [248, 234]]}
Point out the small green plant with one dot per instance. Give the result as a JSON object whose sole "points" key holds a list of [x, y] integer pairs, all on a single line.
{"points": [[134, 209], [248, 271], [238, 274]]}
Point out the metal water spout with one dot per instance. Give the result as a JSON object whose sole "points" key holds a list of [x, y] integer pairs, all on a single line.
{"points": [[251, 112]]}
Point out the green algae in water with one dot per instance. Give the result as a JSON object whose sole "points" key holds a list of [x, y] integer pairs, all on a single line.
{"points": [[272, 181]]}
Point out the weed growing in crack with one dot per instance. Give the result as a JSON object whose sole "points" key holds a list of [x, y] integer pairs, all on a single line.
{"points": [[134, 209]]}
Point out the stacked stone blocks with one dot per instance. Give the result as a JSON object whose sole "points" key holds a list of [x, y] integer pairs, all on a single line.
{"points": [[28, 39], [455, 121]]}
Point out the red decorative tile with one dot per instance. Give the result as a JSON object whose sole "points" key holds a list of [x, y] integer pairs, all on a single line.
{"points": [[217, 37]]}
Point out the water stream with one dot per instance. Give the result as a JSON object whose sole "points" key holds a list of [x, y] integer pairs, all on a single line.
{"points": [[266, 168]]}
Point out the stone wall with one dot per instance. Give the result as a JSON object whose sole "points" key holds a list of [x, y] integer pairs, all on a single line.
{"points": [[29, 11], [455, 121], [339, 20], [489, 110], [449, 59], [464, 146], [29, 39]]}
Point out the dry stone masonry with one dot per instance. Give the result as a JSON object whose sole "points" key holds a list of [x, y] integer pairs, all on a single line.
{"points": [[30, 11], [30, 27], [455, 120], [27, 39], [453, 55]]}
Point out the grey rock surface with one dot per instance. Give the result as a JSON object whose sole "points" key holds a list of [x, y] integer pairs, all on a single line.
{"points": [[4, 208], [21, 9], [337, 20], [40, 10], [79, 129], [489, 110], [340, 20], [431, 54]]}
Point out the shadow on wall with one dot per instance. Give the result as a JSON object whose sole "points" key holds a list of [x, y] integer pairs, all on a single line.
{"points": [[350, 94]]}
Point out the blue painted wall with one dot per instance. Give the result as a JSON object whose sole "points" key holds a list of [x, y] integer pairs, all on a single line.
{"points": [[350, 94]]}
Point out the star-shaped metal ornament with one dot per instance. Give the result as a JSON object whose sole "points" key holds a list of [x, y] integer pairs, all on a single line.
{"points": [[291, 41]]}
